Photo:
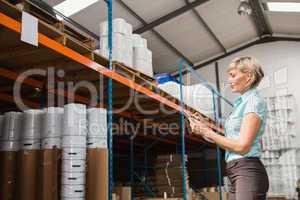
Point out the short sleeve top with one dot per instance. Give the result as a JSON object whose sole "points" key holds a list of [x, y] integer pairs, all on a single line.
{"points": [[249, 102]]}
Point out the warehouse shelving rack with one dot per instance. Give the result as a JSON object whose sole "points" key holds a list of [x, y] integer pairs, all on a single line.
{"points": [[63, 51], [216, 101]]}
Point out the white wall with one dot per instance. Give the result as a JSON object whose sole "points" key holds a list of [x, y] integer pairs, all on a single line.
{"points": [[273, 56]]}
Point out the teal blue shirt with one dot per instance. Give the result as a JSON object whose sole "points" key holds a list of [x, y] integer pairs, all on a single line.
{"points": [[249, 102]]}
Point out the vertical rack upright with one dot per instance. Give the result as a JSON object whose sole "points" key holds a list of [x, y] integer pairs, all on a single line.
{"points": [[110, 134], [216, 108], [182, 132]]}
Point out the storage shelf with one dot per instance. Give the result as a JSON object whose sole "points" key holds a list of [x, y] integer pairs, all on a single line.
{"points": [[80, 63], [63, 48]]}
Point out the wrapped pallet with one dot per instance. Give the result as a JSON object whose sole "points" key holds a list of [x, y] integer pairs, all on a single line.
{"points": [[50, 174], [124, 193], [9, 145], [28, 179], [28, 175], [97, 174], [51, 153], [8, 174], [97, 155]]}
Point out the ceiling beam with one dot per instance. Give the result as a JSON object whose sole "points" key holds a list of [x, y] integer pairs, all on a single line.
{"points": [[169, 16], [263, 39], [256, 42], [259, 20], [158, 35], [207, 28]]}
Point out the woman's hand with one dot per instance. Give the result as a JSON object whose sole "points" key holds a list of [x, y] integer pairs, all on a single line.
{"points": [[200, 128]]}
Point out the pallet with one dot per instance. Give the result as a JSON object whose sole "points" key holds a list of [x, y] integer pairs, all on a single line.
{"points": [[50, 19], [91, 43], [48, 29], [135, 75], [143, 80], [150, 83], [132, 70]]}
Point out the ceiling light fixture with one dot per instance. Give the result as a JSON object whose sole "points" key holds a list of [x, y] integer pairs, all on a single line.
{"points": [[283, 6], [70, 7], [244, 8]]}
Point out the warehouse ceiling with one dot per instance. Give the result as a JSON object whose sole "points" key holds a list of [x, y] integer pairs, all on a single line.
{"points": [[198, 30]]}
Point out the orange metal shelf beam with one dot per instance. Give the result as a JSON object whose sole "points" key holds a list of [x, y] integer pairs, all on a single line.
{"points": [[59, 48], [54, 45], [14, 76], [9, 98], [39, 84]]}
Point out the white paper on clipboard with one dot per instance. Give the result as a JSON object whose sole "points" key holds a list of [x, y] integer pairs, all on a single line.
{"points": [[29, 30]]}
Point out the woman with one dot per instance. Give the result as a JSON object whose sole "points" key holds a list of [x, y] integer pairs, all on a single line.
{"points": [[243, 131]]}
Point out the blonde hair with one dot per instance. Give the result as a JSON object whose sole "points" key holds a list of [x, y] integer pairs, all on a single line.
{"points": [[247, 64]]}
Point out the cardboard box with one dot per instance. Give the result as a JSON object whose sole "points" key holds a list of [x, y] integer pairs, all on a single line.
{"points": [[50, 174], [124, 193], [115, 197], [97, 174], [277, 198], [8, 169], [28, 184], [168, 175]]}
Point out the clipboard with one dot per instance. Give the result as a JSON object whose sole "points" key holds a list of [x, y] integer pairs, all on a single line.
{"points": [[199, 118]]}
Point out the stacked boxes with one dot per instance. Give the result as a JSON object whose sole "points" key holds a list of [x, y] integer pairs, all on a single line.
{"points": [[280, 151], [123, 193], [97, 156], [29, 156], [55, 128], [196, 96], [10, 131], [122, 41], [280, 130], [10, 125], [74, 152], [283, 170], [290, 166], [52, 122], [127, 48], [52, 128], [199, 97], [168, 176], [142, 56], [274, 170], [138, 41], [97, 128], [31, 137]]}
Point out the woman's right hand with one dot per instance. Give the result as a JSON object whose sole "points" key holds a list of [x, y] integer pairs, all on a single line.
{"points": [[200, 128]]}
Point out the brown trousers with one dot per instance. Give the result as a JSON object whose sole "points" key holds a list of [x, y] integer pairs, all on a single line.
{"points": [[248, 178]]}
